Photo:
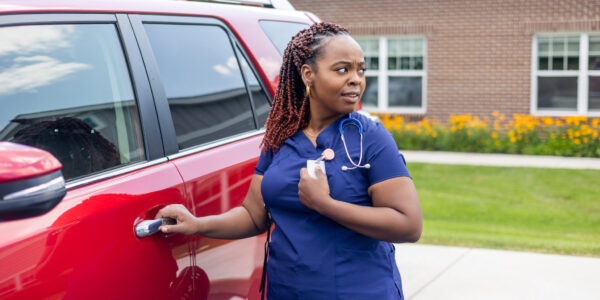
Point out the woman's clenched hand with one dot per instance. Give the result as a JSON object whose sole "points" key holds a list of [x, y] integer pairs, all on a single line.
{"points": [[314, 192]]}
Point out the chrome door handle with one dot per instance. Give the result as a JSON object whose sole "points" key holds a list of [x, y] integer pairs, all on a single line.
{"points": [[149, 227]]}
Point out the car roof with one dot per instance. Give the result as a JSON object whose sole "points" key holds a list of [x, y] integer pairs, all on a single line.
{"points": [[226, 11]]}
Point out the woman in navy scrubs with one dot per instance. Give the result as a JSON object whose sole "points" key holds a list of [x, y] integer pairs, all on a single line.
{"points": [[333, 232]]}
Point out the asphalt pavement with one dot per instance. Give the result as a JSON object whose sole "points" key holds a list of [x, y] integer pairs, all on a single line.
{"points": [[432, 272]]}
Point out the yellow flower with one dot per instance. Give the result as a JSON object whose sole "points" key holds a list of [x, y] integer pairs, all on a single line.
{"points": [[498, 143], [548, 121], [495, 113], [434, 134], [577, 141], [494, 135], [586, 139], [512, 139]]}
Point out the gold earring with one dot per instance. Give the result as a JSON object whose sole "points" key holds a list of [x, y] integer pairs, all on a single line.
{"points": [[307, 90]]}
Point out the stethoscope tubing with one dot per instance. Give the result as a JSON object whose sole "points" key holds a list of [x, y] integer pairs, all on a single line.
{"points": [[356, 123]]}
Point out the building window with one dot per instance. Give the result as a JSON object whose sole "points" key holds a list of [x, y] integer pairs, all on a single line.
{"points": [[566, 75], [395, 74]]}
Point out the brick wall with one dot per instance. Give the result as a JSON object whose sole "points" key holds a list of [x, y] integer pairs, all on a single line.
{"points": [[478, 51]]}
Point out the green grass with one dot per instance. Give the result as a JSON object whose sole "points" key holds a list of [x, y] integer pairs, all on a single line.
{"points": [[528, 209]]}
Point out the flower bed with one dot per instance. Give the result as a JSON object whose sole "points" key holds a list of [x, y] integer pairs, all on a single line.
{"points": [[523, 134]]}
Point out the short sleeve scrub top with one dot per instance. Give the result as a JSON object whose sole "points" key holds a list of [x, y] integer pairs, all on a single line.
{"points": [[312, 256]]}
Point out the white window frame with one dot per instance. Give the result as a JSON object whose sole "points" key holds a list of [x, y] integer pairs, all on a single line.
{"points": [[383, 75], [582, 77]]}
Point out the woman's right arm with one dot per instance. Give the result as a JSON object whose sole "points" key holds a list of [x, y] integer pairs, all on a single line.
{"points": [[243, 221]]}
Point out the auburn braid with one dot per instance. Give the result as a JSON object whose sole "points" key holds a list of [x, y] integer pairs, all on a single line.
{"points": [[291, 108]]}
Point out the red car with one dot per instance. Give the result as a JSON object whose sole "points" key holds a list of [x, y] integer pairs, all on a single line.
{"points": [[140, 104]]}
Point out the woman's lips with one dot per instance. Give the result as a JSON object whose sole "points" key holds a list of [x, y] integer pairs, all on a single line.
{"points": [[351, 97]]}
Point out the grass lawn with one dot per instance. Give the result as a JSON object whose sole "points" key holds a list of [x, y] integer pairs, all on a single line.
{"points": [[530, 209]]}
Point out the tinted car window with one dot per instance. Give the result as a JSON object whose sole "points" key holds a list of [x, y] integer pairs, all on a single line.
{"points": [[66, 89], [281, 33], [203, 82], [262, 106]]}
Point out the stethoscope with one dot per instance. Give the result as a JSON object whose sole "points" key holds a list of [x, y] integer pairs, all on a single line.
{"points": [[349, 122], [328, 153]]}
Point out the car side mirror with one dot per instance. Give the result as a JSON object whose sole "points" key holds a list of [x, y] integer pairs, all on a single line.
{"points": [[31, 181]]}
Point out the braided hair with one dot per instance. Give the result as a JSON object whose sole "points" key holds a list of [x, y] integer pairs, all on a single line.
{"points": [[291, 108]]}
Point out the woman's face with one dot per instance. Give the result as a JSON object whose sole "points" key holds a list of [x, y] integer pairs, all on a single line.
{"points": [[339, 79]]}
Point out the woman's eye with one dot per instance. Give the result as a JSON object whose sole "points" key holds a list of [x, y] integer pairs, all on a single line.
{"points": [[363, 70], [342, 70]]}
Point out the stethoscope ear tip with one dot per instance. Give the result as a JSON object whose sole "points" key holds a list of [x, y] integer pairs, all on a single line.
{"points": [[344, 168], [367, 166]]}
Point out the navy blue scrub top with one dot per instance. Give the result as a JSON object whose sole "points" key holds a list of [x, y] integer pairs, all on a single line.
{"points": [[311, 256]]}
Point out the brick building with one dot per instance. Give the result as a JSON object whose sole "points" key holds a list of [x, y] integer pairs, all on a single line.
{"points": [[439, 57]]}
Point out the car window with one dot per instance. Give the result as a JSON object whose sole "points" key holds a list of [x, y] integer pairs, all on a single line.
{"points": [[66, 89], [201, 75], [262, 106], [281, 33]]}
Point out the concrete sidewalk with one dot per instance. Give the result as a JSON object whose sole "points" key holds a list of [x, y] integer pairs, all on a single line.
{"points": [[440, 272], [483, 159]]}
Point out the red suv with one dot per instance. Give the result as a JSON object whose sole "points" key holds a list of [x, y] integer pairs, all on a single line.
{"points": [[143, 104]]}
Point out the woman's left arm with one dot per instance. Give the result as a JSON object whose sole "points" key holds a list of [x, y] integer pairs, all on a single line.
{"points": [[394, 217]]}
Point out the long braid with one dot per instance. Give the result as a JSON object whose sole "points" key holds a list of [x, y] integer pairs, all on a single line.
{"points": [[291, 108]]}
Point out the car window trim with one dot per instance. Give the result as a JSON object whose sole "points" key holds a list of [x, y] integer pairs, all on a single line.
{"points": [[216, 143], [147, 111], [56, 18], [103, 175], [165, 120], [235, 49], [262, 85]]}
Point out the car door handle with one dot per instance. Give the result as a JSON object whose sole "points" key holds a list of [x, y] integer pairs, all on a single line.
{"points": [[149, 227]]}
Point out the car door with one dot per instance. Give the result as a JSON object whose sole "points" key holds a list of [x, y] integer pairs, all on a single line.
{"points": [[75, 85], [216, 109]]}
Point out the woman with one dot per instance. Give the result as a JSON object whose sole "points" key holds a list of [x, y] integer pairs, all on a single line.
{"points": [[333, 232]]}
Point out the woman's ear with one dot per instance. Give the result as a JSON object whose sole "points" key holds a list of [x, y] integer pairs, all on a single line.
{"points": [[307, 74]]}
